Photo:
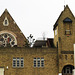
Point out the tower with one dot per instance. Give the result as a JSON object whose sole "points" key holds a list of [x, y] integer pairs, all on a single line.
{"points": [[64, 38]]}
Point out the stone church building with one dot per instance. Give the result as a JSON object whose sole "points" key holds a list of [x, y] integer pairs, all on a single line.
{"points": [[55, 57]]}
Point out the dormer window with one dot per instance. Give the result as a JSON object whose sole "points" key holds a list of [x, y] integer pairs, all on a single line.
{"points": [[5, 22], [68, 26]]}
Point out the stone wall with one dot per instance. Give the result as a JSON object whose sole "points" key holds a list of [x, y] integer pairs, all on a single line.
{"points": [[49, 55], [13, 28]]}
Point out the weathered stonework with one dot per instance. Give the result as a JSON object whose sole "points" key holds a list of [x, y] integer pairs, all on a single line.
{"points": [[12, 28], [50, 61], [55, 59], [65, 43]]}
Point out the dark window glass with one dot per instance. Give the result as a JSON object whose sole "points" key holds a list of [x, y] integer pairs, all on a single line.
{"points": [[14, 62], [34, 62], [38, 62], [42, 62], [18, 62], [68, 70], [22, 62], [5, 21]]}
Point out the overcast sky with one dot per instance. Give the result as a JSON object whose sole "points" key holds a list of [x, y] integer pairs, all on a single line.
{"points": [[36, 16]]}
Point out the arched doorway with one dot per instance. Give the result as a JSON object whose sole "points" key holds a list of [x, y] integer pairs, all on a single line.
{"points": [[67, 70]]}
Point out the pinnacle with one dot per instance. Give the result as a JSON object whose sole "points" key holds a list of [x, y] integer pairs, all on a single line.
{"points": [[6, 10]]}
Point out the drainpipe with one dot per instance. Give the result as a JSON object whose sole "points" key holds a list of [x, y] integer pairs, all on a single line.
{"points": [[74, 61]]}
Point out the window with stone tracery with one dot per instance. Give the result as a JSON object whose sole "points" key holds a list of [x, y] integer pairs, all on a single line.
{"points": [[7, 40]]}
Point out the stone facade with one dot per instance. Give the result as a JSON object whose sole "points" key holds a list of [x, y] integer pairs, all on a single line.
{"points": [[49, 55], [65, 41], [58, 59], [12, 28]]}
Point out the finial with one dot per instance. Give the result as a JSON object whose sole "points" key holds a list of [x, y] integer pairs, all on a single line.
{"points": [[5, 9]]}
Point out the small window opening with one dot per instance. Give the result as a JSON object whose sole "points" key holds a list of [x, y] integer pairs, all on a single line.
{"points": [[5, 21], [66, 57], [71, 56]]}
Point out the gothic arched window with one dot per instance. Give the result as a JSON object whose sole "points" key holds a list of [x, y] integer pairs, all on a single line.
{"points": [[67, 26]]}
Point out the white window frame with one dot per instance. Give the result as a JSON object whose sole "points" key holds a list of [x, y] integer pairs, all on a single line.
{"points": [[38, 62], [16, 64], [68, 69], [14, 59], [22, 63], [35, 62], [68, 31], [4, 22], [42, 62]]}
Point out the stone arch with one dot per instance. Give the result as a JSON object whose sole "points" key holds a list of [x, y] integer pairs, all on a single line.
{"points": [[67, 70], [10, 33]]}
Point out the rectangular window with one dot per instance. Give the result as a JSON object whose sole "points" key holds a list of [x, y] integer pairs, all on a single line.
{"points": [[14, 62], [42, 62], [38, 62], [34, 62], [18, 62], [68, 32], [22, 62]]}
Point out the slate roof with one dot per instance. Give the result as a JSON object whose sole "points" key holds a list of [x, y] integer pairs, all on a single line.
{"points": [[40, 43], [44, 43]]}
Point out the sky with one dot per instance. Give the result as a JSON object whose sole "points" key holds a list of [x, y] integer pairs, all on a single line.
{"points": [[36, 17]]}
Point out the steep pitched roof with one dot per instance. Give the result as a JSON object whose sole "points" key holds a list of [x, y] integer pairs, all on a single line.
{"points": [[56, 23], [12, 27]]}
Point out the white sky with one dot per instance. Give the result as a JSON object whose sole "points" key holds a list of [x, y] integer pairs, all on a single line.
{"points": [[36, 16]]}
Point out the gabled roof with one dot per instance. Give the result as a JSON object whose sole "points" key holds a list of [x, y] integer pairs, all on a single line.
{"points": [[12, 28], [6, 13], [56, 23]]}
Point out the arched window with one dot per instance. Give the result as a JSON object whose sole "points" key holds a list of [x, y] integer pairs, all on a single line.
{"points": [[67, 69], [7, 39], [5, 22], [67, 26]]}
